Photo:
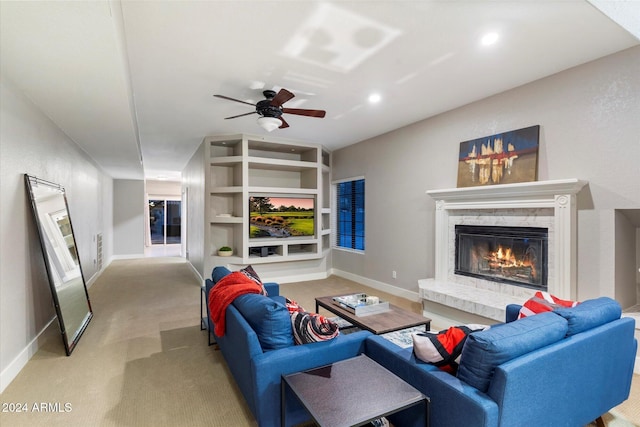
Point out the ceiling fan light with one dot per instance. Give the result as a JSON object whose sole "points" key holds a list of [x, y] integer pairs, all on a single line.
{"points": [[269, 123]]}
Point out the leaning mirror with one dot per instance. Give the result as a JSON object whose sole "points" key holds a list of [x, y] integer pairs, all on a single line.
{"points": [[68, 288]]}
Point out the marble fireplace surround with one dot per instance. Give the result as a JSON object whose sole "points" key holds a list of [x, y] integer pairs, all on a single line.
{"points": [[548, 204]]}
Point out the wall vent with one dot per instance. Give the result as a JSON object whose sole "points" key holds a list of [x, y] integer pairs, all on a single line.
{"points": [[99, 251]]}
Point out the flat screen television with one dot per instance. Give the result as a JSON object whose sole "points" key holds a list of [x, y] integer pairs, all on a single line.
{"points": [[281, 217]]}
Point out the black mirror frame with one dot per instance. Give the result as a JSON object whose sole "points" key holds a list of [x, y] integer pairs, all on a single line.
{"points": [[69, 342]]}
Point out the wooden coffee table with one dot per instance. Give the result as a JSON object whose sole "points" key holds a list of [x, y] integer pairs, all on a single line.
{"points": [[380, 323]]}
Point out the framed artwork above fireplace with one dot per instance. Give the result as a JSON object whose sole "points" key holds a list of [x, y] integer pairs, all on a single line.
{"points": [[504, 158]]}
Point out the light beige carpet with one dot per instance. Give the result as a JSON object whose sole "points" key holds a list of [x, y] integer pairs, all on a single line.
{"points": [[143, 360]]}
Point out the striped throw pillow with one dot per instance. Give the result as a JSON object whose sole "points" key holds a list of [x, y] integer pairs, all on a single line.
{"points": [[310, 327], [541, 302]]}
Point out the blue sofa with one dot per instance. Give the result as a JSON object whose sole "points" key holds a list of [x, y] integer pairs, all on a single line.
{"points": [[561, 368], [258, 349]]}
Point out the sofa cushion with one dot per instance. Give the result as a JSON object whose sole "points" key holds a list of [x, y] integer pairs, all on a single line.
{"points": [[485, 350], [268, 318], [541, 302], [218, 273], [590, 314]]}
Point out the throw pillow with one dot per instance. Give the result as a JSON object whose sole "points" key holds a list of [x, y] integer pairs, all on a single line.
{"points": [[268, 318], [541, 302], [293, 306], [443, 349], [251, 274], [312, 327]]}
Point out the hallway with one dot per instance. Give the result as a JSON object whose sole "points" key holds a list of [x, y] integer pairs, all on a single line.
{"points": [[155, 251]]}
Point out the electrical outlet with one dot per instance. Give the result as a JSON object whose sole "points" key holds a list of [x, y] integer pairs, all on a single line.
{"points": [[393, 274]]}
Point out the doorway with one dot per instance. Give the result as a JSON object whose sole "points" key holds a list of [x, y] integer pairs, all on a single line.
{"points": [[165, 222]]}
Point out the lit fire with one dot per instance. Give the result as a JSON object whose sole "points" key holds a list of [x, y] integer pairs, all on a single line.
{"points": [[504, 258]]}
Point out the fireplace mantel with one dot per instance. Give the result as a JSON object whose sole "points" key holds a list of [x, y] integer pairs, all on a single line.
{"points": [[556, 196], [525, 194]]}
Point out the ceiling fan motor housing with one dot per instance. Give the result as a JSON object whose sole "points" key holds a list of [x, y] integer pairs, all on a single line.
{"points": [[265, 109]]}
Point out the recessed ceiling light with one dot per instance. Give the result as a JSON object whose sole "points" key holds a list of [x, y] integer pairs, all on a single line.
{"points": [[374, 98], [489, 39]]}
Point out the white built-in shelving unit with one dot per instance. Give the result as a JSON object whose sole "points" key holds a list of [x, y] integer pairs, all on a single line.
{"points": [[241, 166]]}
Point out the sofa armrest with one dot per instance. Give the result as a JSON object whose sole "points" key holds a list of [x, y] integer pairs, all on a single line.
{"points": [[571, 382], [267, 370], [453, 402], [239, 345], [511, 313]]}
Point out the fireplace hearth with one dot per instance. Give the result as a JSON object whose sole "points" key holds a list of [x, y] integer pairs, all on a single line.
{"points": [[512, 255]]}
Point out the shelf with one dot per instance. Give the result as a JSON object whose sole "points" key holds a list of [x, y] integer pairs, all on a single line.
{"points": [[234, 189], [227, 219], [282, 150], [227, 146], [326, 159], [274, 241], [241, 166], [222, 260], [226, 161], [280, 165]]}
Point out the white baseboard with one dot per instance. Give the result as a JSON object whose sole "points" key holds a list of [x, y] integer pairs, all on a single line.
{"points": [[97, 274], [16, 365], [51, 328], [296, 278], [381, 286], [196, 273]]}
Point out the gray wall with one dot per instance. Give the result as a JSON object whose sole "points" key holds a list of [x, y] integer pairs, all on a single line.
{"points": [[193, 177], [590, 129], [31, 143], [172, 190], [128, 218]]}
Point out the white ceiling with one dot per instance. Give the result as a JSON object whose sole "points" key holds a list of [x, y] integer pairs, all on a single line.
{"points": [[131, 82]]}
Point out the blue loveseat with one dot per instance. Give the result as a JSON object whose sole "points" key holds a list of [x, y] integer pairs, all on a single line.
{"points": [[561, 368], [258, 348]]}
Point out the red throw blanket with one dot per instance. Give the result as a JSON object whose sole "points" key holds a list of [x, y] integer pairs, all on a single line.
{"points": [[224, 292]]}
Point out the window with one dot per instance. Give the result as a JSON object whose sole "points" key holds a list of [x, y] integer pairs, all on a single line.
{"points": [[350, 215]]}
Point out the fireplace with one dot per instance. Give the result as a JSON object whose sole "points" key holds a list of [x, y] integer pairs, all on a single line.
{"points": [[512, 255], [539, 224]]}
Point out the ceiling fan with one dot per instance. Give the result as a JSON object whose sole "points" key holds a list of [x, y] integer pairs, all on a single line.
{"points": [[271, 109]]}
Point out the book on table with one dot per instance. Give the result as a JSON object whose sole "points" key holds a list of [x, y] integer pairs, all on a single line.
{"points": [[361, 304]]}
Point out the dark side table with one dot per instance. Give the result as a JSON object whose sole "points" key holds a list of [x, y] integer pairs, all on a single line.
{"points": [[204, 315], [351, 392]]}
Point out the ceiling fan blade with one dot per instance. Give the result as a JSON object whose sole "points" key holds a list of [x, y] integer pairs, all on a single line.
{"points": [[240, 115], [233, 99], [284, 123], [303, 112], [281, 97]]}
